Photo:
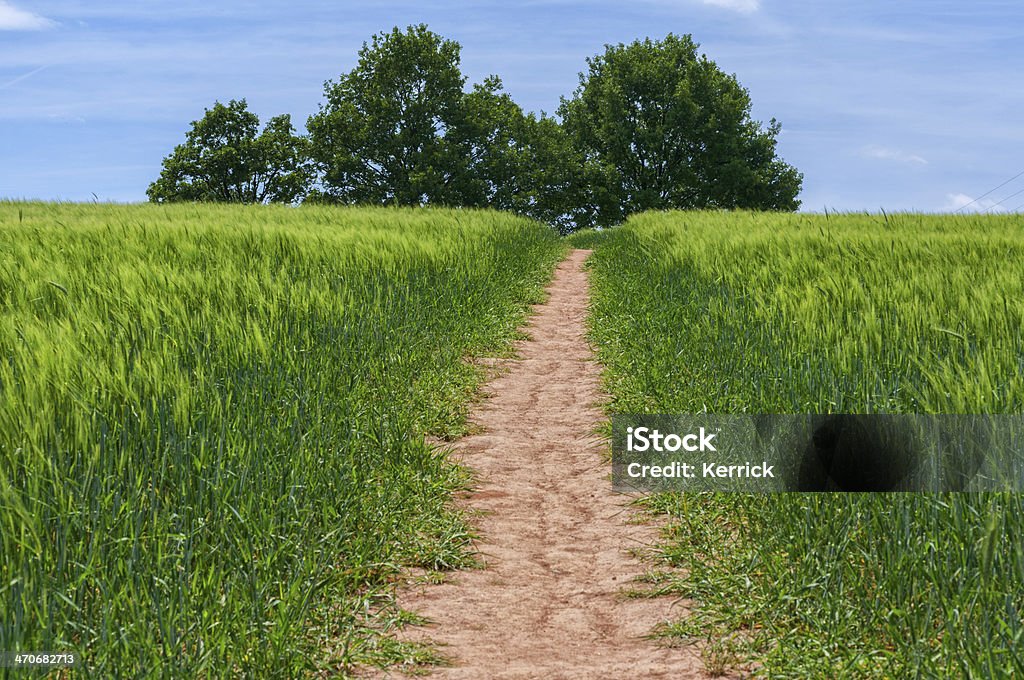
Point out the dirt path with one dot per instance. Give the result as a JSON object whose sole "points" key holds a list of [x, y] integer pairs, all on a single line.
{"points": [[554, 536]]}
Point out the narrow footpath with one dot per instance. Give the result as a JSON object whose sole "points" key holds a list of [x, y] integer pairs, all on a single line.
{"points": [[555, 540]]}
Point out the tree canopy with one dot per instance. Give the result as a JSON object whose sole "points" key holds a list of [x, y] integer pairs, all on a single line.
{"points": [[224, 159], [661, 126], [400, 128], [518, 162], [384, 133], [652, 125]]}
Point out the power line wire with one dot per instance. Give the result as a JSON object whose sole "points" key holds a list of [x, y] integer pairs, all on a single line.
{"points": [[1019, 174], [996, 205]]}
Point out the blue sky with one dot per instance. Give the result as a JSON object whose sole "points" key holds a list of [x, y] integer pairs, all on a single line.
{"points": [[895, 105]]}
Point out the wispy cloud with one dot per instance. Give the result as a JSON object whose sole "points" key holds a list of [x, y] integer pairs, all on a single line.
{"points": [[14, 19], [895, 155], [743, 6], [957, 202], [23, 76]]}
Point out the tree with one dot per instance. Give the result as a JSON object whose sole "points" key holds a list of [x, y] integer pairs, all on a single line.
{"points": [[400, 129], [224, 160], [518, 162], [383, 135], [659, 126]]}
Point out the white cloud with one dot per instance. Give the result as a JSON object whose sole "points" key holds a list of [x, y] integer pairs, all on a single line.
{"points": [[957, 202], [743, 6], [886, 154], [14, 19]]}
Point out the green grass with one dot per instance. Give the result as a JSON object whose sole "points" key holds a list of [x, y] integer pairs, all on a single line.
{"points": [[768, 313], [212, 423], [588, 239]]}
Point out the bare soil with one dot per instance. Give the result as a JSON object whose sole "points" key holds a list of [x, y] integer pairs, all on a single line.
{"points": [[556, 543]]}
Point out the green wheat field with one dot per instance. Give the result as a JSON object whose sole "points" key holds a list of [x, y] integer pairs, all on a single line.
{"points": [[212, 418], [212, 426], [763, 313]]}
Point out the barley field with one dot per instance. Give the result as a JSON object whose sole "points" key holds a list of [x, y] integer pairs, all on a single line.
{"points": [[212, 424], [767, 313]]}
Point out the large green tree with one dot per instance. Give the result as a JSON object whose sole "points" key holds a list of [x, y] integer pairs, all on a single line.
{"points": [[660, 126], [523, 163], [384, 133], [226, 159], [400, 128]]}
